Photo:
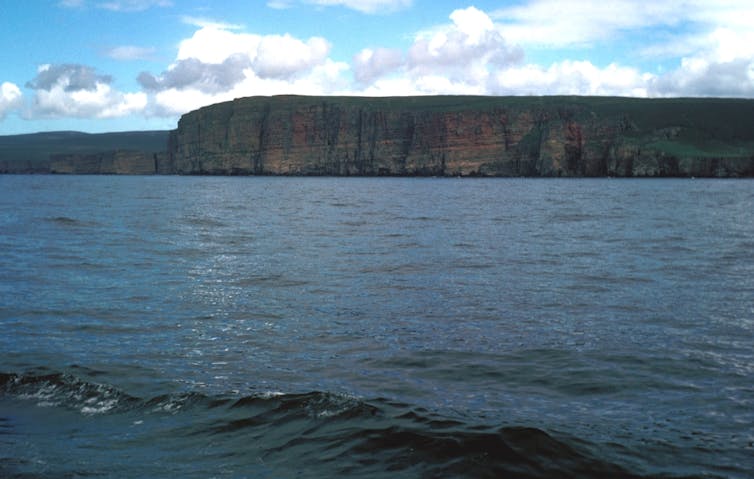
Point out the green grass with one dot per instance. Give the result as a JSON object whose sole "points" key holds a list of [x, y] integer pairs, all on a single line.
{"points": [[707, 149]]}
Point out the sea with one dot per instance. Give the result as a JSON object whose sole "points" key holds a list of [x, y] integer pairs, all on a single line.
{"points": [[270, 327]]}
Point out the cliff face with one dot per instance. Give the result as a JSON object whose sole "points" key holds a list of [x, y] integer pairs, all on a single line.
{"points": [[468, 136]]}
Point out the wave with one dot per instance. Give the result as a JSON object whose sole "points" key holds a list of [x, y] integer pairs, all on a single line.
{"points": [[68, 222], [330, 434]]}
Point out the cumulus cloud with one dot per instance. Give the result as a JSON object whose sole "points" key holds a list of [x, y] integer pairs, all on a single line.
{"points": [[712, 40], [472, 38], [483, 53], [215, 42], [216, 60], [72, 90], [699, 77], [282, 56], [475, 52], [218, 63], [454, 58], [10, 98], [370, 64], [323, 79], [69, 77], [193, 73], [271, 56], [717, 61]]}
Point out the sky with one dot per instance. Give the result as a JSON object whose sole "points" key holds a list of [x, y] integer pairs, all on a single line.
{"points": [[118, 65]]}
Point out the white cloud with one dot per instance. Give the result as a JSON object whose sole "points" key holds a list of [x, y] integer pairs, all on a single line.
{"points": [[716, 58], [216, 61], [214, 43], [270, 56], [119, 5], [10, 98], [454, 58], [472, 23], [324, 79], [133, 5], [205, 77], [590, 23], [699, 77], [274, 56], [367, 6], [130, 52], [471, 39], [281, 56], [279, 4], [474, 54], [71, 90], [557, 23], [369, 64], [217, 64], [202, 22], [102, 102], [571, 78]]}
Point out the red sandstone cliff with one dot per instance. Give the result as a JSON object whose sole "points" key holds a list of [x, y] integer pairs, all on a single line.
{"points": [[449, 136]]}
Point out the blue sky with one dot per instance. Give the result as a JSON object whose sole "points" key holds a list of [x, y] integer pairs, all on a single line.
{"points": [[114, 65]]}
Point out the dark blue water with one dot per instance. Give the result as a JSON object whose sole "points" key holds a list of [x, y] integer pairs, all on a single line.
{"points": [[314, 327]]}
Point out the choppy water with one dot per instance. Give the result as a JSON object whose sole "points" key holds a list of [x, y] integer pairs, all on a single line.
{"points": [[316, 327]]}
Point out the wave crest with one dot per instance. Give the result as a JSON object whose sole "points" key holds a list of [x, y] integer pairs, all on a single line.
{"points": [[331, 434]]}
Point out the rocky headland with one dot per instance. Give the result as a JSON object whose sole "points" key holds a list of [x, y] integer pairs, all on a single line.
{"points": [[467, 136], [441, 136]]}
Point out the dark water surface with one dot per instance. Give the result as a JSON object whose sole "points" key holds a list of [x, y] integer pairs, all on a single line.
{"points": [[315, 327]]}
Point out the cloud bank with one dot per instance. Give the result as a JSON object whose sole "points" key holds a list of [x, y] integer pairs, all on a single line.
{"points": [[455, 58], [217, 63], [78, 91], [704, 48]]}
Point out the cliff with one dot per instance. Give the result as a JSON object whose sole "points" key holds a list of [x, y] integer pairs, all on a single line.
{"points": [[438, 136], [466, 136]]}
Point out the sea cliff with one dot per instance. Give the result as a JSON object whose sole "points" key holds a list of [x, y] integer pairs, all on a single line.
{"points": [[416, 136], [466, 136]]}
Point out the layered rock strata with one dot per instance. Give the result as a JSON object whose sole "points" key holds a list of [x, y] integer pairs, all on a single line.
{"points": [[466, 136]]}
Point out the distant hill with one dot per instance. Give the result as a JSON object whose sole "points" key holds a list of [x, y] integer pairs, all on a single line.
{"points": [[39, 146]]}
